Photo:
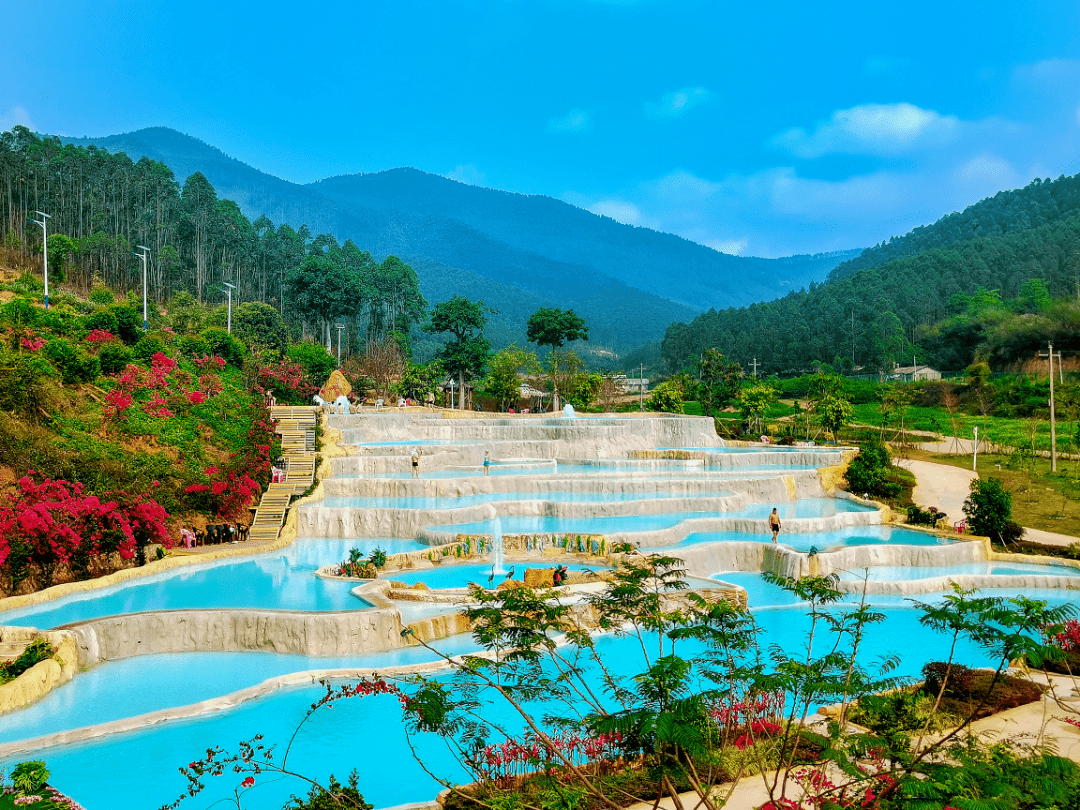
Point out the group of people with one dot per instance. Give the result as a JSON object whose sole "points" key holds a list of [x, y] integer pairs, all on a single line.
{"points": [[214, 534]]}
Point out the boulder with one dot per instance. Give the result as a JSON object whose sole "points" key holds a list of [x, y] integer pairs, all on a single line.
{"points": [[539, 577], [421, 586], [336, 386], [510, 583]]}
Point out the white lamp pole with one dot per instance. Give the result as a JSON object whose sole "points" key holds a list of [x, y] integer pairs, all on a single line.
{"points": [[975, 455], [228, 292], [339, 327], [45, 237], [143, 256]]}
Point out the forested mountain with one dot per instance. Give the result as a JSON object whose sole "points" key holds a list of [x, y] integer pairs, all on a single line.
{"points": [[517, 252], [660, 263], [880, 308]]}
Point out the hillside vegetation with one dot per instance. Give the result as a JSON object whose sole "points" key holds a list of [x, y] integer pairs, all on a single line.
{"points": [[888, 305], [112, 439], [517, 252]]}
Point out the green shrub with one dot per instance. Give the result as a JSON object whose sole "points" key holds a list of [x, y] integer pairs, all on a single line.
{"points": [[989, 511], [128, 323], [101, 295], [667, 397], [327, 799], [74, 365], [869, 472], [148, 346], [101, 319], [317, 362], [114, 357], [36, 651], [30, 777], [25, 385], [225, 346], [194, 346]]}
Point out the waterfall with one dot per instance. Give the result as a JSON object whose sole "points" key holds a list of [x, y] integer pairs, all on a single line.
{"points": [[497, 546]]}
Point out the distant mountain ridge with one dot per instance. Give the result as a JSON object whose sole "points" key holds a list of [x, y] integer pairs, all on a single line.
{"points": [[517, 252]]}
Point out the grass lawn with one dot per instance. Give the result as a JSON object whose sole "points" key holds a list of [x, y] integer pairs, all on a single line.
{"points": [[1020, 433], [1041, 499]]}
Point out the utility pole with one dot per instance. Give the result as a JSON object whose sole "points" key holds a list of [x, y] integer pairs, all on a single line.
{"points": [[1053, 429], [755, 365], [45, 248], [143, 256], [641, 388]]}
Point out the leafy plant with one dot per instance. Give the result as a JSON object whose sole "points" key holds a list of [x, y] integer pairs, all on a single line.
{"points": [[30, 777]]}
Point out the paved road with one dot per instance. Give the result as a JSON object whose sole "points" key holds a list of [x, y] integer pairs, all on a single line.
{"points": [[946, 487]]}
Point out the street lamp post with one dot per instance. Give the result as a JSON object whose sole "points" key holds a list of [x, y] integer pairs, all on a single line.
{"points": [[45, 248], [339, 327], [452, 384], [143, 256], [228, 292], [975, 455]]}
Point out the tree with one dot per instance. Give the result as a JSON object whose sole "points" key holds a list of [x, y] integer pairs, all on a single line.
{"points": [[667, 397], [554, 327], [720, 380], [831, 404], [754, 401], [261, 327], [505, 373], [468, 352], [989, 511]]}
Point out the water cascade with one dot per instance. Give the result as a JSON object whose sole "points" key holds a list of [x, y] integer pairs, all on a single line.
{"points": [[568, 411], [497, 546]]}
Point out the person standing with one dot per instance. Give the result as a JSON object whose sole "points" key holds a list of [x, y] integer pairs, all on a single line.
{"points": [[416, 453], [774, 523], [487, 462]]}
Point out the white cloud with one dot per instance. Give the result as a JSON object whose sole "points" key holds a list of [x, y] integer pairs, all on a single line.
{"points": [[469, 174], [733, 247], [618, 210], [1049, 74], [873, 129], [573, 121], [677, 102], [16, 115]]}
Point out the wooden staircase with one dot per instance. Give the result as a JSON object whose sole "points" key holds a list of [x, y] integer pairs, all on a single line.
{"points": [[296, 425]]}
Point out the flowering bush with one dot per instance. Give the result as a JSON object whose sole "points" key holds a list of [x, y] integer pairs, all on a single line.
{"points": [[288, 381], [1069, 638], [100, 336], [47, 523]]}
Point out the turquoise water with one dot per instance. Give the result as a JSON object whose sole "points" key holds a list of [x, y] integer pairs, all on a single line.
{"points": [[283, 580], [459, 576], [458, 501], [889, 573], [802, 508], [847, 536], [530, 524], [337, 740]]}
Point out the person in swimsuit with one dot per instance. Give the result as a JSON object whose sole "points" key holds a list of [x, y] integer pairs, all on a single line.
{"points": [[416, 453], [774, 523], [487, 463]]}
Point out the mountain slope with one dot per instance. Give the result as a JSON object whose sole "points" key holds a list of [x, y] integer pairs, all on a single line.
{"points": [[524, 251]]}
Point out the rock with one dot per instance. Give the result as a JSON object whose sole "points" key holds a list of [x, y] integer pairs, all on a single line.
{"points": [[539, 577], [421, 586], [506, 585], [336, 386]]}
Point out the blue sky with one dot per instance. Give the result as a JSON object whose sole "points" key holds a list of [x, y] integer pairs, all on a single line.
{"points": [[755, 128]]}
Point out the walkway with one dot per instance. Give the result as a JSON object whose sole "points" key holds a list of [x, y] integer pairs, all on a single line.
{"points": [[947, 487], [296, 424]]}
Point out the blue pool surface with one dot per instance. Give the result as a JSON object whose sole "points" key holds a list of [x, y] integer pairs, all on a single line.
{"points": [[459, 576], [334, 740], [526, 524], [458, 501], [847, 536], [891, 573], [282, 580]]}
